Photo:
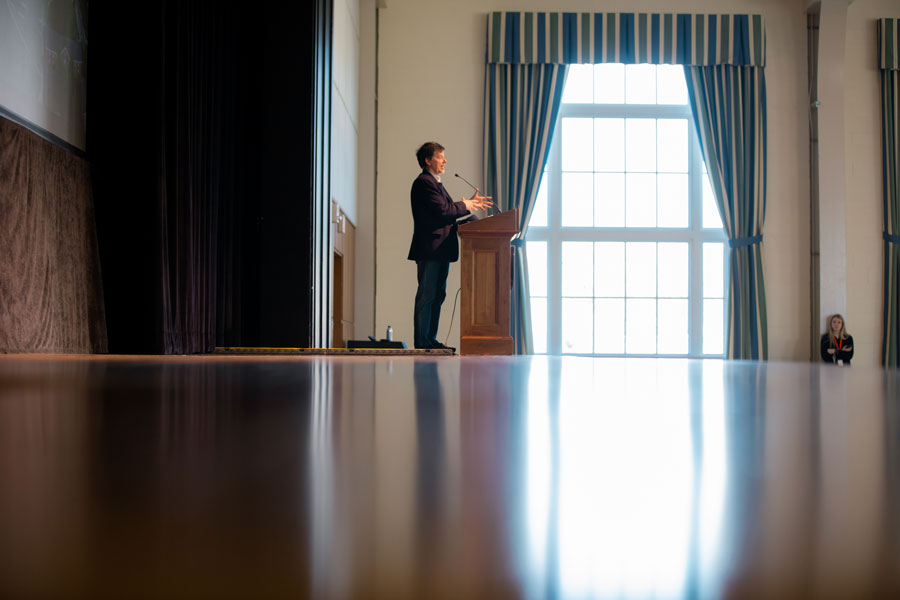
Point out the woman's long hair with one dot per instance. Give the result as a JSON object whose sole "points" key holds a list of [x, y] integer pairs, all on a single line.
{"points": [[844, 334]]}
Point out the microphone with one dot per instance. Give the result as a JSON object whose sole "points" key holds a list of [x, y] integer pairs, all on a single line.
{"points": [[464, 179]]}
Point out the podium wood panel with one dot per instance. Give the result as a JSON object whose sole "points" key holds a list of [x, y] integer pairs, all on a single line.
{"points": [[486, 284]]}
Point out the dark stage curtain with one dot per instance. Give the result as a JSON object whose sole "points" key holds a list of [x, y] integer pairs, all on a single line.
{"points": [[200, 117], [51, 296], [196, 165], [162, 139]]}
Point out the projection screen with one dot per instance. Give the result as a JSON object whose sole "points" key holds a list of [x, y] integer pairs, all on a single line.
{"points": [[43, 66]]}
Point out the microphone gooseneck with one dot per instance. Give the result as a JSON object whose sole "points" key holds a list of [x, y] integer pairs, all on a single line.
{"points": [[464, 179]]}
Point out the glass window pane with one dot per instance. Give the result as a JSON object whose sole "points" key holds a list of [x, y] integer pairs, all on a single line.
{"points": [[672, 327], [670, 85], [609, 144], [579, 86], [640, 84], [609, 200], [577, 268], [672, 208], [537, 267], [577, 144], [626, 169], [640, 200], [640, 145], [577, 199], [577, 325], [713, 326], [674, 274], [609, 326], [539, 212], [713, 270], [711, 216], [609, 269], [539, 324], [609, 84], [640, 269], [672, 145], [640, 326]]}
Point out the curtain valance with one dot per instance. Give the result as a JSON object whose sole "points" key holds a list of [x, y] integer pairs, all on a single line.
{"points": [[888, 52], [656, 38]]}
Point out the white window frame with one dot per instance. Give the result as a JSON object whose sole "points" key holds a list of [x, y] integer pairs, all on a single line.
{"points": [[695, 234]]}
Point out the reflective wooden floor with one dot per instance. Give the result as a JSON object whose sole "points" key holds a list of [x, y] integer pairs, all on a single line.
{"points": [[447, 478]]}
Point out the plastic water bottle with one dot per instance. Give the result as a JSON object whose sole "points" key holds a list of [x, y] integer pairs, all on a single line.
{"points": [[389, 336]]}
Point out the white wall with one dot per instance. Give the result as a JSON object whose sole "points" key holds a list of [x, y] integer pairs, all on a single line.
{"points": [[431, 71], [786, 244], [431, 82], [353, 144], [344, 106], [862, 109], [364, 282]]}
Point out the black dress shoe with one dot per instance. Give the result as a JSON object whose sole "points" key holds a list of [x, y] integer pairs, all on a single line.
{"points": [[440, 346]]}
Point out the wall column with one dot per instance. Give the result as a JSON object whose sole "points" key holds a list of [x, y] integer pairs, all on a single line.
{"points": [[828, 178]]}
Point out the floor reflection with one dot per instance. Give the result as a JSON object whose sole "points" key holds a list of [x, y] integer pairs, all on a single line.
{"points": [[522, 477], [44, 462], [610, 481], [890, 535], [431, 468]]}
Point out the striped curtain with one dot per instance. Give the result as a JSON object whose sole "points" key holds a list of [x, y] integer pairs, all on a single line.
{"points": [[729, 106], [889, 61], [734, 119], [520, 112], [590, 38]]}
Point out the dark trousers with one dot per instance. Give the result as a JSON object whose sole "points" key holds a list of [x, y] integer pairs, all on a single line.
{"points": [[432, 276]]}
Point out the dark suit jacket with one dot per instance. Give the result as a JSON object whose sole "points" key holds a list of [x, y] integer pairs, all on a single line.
{"points": [[844, 355], [434, 220]]}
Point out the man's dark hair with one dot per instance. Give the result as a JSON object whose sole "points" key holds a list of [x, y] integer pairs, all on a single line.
{"points": [[426, 151]]}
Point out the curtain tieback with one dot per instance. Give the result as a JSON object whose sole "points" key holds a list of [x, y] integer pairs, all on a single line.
{"points": [[745, 241], [517, 242], [894, 239]]}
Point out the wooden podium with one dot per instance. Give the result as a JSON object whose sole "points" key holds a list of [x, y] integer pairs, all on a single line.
{"points": [[486, 284]]}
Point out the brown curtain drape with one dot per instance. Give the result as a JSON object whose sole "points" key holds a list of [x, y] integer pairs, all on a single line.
{"points": [[51, 295]]}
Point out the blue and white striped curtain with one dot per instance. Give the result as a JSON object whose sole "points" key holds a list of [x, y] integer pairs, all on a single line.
{"points": [[889, 62], [729, 106], [521, 108], [700, 42], [591, 38]]}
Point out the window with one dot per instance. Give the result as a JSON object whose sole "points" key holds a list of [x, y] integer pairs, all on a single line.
{"points": [[625, 245]]}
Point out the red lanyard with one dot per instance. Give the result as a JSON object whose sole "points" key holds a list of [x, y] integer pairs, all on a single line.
{"points": [[838, 342]]}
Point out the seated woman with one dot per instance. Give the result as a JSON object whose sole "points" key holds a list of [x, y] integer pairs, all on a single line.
{"points": [[836, 345]]}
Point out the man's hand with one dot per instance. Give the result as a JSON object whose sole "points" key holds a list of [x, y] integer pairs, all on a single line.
{"points": [[477, 201]]}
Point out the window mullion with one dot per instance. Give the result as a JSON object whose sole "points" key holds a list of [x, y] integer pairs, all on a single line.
{"points": [[695, 319], [554, 271]]}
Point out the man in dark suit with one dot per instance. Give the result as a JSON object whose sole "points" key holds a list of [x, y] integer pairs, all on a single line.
{"points": [[434, 244]]}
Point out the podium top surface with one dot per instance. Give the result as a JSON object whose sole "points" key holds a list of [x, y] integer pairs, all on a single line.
{"points": [[505, 222]]}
